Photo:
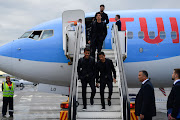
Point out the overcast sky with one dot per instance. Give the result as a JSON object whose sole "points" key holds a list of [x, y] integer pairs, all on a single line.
{"points": [[17, 16]]}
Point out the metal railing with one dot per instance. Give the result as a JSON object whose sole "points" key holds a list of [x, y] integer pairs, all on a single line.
{"points": [[122, 83], [74, 77]]}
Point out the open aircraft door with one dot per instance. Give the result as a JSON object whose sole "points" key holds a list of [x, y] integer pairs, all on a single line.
{"points": [[70, 19]]}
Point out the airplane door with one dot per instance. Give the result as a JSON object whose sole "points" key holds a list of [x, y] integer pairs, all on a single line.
{"points": [[69, 21]]}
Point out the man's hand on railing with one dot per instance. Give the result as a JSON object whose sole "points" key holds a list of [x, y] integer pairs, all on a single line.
{"points": [[114, 80], [97, 85], [89, 42]]}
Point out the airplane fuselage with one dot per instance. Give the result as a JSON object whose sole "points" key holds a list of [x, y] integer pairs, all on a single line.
{"points": [[152, 43]]}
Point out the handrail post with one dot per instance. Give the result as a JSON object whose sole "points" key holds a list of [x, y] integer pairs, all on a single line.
{"points": [[73, 85], [122, 82]]}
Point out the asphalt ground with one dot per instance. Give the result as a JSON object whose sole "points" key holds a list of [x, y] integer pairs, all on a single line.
{"points": [[32, 105]]}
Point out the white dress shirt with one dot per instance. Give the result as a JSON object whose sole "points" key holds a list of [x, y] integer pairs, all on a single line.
{"points": [[145, 81], [176, 81]]}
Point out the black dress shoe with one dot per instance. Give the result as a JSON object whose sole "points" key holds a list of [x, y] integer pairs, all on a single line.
{"points": [[109, 102], [103, 108], [84, 108], [91, 101]]}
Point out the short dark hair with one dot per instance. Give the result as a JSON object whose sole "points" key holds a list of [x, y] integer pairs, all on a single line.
{"points": [[86, 49], [7, 77], [101, 53], [177, 71], [97, 14], [118, 16], [102, 5], [80, 20], [144, 72]]}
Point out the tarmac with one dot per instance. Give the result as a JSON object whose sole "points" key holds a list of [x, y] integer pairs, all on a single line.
{"points": [[32, 105], [29, 104]]}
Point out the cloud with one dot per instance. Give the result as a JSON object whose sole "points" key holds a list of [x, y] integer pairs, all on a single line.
{"points": [[17, 16]]}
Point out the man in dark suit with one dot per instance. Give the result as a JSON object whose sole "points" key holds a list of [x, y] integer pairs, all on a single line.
{"points": [[104, 16], [173, 102], [97, 35], [86, 73], [118, 22], [145, 106], [106, 68]]}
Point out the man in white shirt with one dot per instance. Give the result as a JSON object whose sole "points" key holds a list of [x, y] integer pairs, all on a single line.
{"points": [[145, 106], [82, 27], [118, 22]]}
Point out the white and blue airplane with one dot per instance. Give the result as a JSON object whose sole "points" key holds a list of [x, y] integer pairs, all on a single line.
{"points": [[153, 45]]}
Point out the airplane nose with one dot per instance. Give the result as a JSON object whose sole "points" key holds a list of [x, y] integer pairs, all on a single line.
{"points": [[6, 58], [5, 50]]}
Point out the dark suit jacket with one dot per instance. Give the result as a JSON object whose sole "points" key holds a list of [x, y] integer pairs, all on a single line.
{"points": [[94, 32], [174, 100], [118, 23], [145, 100], [86, 68], [105, 72]]}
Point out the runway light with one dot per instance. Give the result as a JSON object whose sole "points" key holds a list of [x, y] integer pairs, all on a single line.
{"points": [[64, 105]]}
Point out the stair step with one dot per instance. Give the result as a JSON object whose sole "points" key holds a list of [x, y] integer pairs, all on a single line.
{"points": [[97, 108], [99, 115], [103, 50], [88, 90], [111, 55], [96, 119], [97, 101], [79, 84], [94, 112], [114, 95]]}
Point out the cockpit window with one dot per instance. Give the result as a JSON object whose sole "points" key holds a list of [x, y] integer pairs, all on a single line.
{"points": [[35, 35], [38, 35], [26, 34], [47, 34]]}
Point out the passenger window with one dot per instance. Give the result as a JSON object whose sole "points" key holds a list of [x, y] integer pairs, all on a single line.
{"points": [[141, 35], [151, 34], [35, 35], [162, 35], [173, 35], [47, 34], [130, 35], [26, 34]]}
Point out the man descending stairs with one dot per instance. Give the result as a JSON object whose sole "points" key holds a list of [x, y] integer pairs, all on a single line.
{"points": [[95, 111]]}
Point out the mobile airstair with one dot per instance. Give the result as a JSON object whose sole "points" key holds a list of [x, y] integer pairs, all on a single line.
{"points": [[120, 108]]}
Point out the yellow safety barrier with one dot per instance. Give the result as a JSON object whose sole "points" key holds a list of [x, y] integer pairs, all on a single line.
{"points": [[64, 115], [133, 116], [64, 110]]}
